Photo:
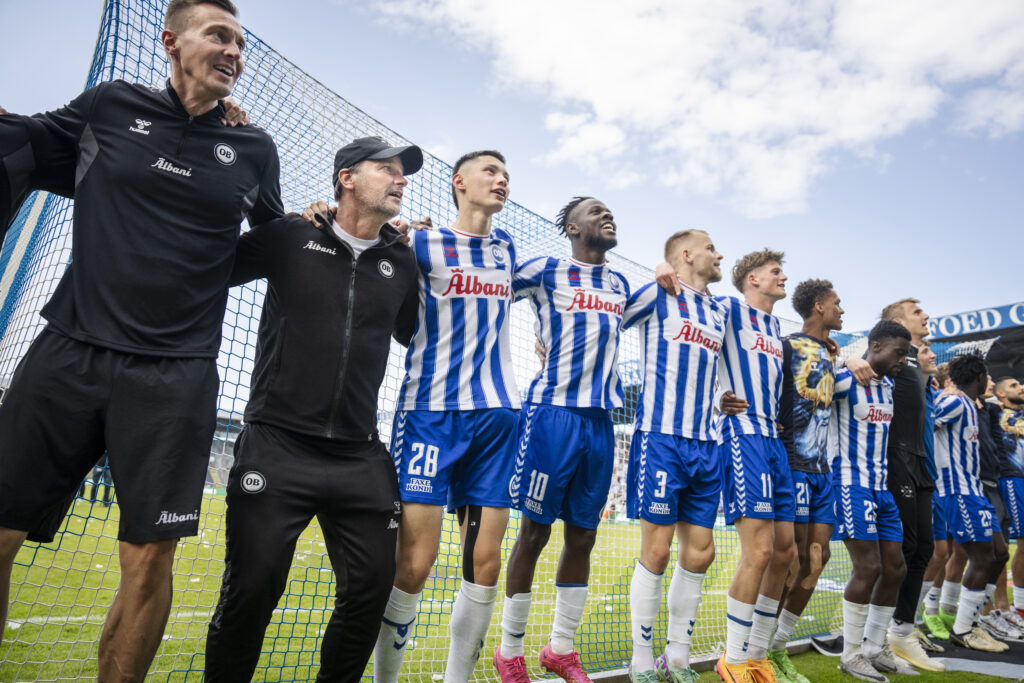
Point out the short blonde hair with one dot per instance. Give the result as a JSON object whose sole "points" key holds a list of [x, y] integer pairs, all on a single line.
{"points": [[895, 309], [751, 262], [676, 238]]}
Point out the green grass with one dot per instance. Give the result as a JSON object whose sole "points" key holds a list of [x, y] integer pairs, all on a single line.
{"points": [[60, 595]]}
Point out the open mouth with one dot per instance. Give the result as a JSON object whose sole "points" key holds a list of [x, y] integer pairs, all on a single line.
{"points": [[502, 194], [609, 227], [226, 70], [396, 195]]}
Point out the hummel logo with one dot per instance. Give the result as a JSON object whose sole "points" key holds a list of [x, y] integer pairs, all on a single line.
{"points": [[646, 632], [140, 127]]}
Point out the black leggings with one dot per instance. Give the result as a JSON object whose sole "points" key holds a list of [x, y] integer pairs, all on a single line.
{"points": [[912, 487], [279, 482]]}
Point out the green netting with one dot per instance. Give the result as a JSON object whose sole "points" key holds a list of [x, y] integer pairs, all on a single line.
{"points": [[60, 592]]}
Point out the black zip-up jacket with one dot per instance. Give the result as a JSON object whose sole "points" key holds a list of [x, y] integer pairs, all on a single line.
{"points": [[159, 200], [327, 321], [906, 432]]}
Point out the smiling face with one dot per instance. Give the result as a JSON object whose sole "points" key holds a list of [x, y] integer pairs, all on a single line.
{"points": [[926, 359], [698, 252], [482, 182], [376, 186], [205, 47], [831, 311], [769, 280], [593, 224]]}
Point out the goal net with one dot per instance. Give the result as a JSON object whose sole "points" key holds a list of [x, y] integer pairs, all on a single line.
{"points": [[61, 591]]}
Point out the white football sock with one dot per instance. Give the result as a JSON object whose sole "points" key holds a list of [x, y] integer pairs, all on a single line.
{"points": [[683, 603], [931, 601], [514, 617], [1018, 591], [570, 599], [784, 631], [471, 616], [395, 632], [874, 629], [644, 600], [762, 624], [950, 596], [971, 603], [737, 629], [854, 618]]}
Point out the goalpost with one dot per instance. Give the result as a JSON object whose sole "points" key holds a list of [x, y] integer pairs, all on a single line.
{"points": [[60, 592]]}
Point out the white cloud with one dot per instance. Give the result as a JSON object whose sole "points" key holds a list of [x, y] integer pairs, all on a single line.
{"points": [[744, 100]]}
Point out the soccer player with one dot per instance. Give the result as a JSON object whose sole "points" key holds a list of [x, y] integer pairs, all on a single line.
{"points": [[566, 447], [994, 457], [674, 478], [933, 580], [453, 440], [970, 516], [867, 520], [757, 486], [909, 481], [127, 363], [1010, 394], [310, 446], [804, 411]]}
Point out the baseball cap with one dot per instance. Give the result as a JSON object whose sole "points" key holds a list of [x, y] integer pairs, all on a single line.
{"points": [[375, 147]]}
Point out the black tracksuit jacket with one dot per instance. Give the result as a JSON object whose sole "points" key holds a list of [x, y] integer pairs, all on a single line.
{"points": [[159, 200], [328, 318]]}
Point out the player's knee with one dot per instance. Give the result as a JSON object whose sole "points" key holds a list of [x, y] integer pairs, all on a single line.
{"points": [[580, 541], [534, 538], [699, 559], [782, 556], [893, 574], [757, 557], [655, 558], [867, 568], [413, 568], [1001, 555]]}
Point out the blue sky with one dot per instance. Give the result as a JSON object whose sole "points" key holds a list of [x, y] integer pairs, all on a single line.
{"points": [[878, 144]]}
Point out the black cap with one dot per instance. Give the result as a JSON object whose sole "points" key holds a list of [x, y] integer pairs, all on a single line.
{"points": [[375, 147]]}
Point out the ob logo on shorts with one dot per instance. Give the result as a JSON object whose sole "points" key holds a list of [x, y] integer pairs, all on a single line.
{"points": [[253, 482]]}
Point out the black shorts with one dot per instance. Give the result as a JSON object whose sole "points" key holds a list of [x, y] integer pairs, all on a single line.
{"points": [[70, 401], [995, 497]]}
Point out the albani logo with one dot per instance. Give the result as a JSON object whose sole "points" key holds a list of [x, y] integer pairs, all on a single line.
{"points": [[165, 165], [461, 283], [692, 334], [583, 300], [313, 246], [874, 413], [174, 518], [755, 340]]}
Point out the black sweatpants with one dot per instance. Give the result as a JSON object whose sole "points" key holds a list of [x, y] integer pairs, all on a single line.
{"points": [[280, 480], [911, 486]]}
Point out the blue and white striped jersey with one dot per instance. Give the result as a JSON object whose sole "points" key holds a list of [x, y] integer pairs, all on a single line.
{"points": [[858, 431], [681, 338], [579, 310], [956, 447], [752, 369], [460, 357]]}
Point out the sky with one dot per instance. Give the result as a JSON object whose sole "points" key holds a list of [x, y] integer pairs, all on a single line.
{"points": [[878, 144]]}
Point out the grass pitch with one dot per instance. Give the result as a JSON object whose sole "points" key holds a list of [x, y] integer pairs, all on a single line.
{"points": [[60, 594]]}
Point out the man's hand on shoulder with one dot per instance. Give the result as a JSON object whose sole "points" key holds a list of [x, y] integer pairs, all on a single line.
{"points": [[832, 346], [319, 213], [234, 115], [665, 276], [861, 370]]}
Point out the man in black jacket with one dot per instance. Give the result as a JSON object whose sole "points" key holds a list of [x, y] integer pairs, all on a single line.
{"points": [[127, 363], [310, 446]]}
